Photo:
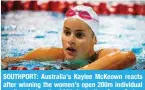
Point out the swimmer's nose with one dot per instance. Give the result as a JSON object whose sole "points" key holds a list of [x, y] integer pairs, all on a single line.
{"points": [[71, 39]]}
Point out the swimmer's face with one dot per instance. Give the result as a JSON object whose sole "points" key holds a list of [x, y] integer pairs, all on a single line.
{"points": [[77, 39]]}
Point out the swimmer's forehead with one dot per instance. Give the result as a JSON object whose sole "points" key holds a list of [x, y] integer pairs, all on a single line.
{"points": [[75, 22]]}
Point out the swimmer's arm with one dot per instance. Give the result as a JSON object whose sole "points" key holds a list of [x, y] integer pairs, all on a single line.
{"points": [[45, 54], [113, 61], [40, 54], [106, 51]]}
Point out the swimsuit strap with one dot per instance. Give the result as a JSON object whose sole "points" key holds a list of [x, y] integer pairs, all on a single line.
{"points": [[94, 57]]}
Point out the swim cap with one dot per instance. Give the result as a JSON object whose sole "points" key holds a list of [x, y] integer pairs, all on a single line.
{"points": [[86, 14]]}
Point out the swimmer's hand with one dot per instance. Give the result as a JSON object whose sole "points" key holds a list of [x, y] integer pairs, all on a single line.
{"points": [[12, 59], [4, 65], [7, 60]]}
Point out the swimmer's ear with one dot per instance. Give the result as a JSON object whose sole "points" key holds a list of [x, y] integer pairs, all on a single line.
{"points": [[94, 40]]}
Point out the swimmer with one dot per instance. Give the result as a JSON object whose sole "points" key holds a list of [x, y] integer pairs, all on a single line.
{"points": [[79, 35]]}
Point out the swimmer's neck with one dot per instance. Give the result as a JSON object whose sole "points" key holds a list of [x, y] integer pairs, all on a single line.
{"points": [[91, 53], [87, 56]]}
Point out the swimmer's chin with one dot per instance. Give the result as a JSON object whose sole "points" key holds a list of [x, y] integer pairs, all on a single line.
{"points": [[69, 58]]}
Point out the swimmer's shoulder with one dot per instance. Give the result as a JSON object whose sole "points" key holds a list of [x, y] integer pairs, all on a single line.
{"points": [[102, 52]]}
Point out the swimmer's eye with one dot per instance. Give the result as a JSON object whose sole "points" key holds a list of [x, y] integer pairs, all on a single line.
{"points": [[79, 34], [67, 33]]}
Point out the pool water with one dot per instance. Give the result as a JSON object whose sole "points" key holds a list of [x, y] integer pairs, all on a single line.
{"points": [[23, 31]]}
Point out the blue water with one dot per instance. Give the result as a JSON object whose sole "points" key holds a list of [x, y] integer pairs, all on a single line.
{"points": [[23, 31]]}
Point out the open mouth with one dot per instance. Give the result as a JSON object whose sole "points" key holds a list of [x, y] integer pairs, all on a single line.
{"points": [[71, 49]]}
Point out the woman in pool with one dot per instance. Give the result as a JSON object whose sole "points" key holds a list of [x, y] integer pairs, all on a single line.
{"points": [[79, 36]]}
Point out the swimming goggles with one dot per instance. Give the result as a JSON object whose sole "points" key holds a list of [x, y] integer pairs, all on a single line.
{"points": [[82, 14]]}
